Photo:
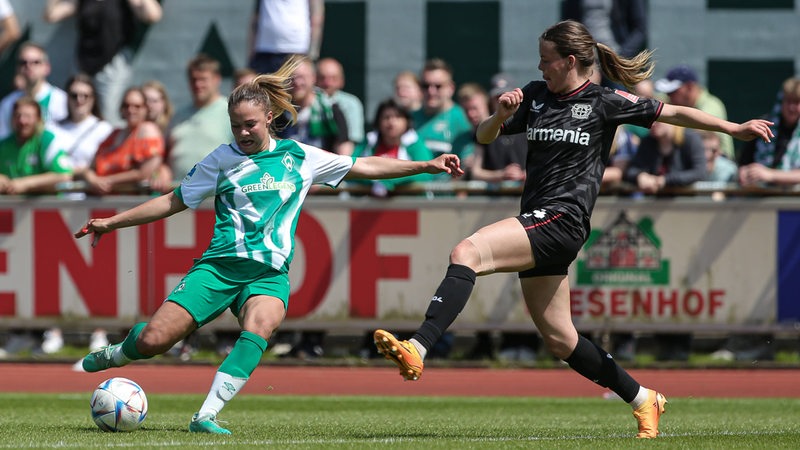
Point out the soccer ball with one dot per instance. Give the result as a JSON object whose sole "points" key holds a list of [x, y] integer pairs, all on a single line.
{"points": [[118, 404]]}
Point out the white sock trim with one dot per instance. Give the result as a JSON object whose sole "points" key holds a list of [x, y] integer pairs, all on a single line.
{"points": [[640, 398], [118, 356], [223, 389], [420, 349]]}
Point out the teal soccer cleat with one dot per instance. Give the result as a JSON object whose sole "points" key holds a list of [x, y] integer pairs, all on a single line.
{"points": [[206, 424], [100, 360]]}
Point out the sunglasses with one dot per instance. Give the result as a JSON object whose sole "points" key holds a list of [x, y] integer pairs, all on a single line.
{"points": [[436, 86], [29, 62], [79, 95]]}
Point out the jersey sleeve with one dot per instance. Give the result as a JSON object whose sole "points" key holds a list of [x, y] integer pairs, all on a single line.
{"points": [[623, 107], [201, 182], [326, 167]]}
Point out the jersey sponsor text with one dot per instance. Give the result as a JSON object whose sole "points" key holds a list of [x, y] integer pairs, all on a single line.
{"points": [[268, 183], [558, 134]]}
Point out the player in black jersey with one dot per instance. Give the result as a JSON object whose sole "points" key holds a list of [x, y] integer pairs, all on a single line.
{"points": [[570, 124]]}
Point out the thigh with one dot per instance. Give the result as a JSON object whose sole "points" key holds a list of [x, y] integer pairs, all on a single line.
{"points": [[262, 315], [500, 247], [548, 302]]}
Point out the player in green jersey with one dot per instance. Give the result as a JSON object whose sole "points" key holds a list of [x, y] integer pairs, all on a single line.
{"points": [[258, 184]]}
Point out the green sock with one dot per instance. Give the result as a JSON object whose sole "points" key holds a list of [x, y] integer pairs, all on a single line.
{"points": [[129, 344], [245, 356], [234, 371]]}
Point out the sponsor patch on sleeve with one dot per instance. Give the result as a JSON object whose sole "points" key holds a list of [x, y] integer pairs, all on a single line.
{"points": [[631, 98], [191, 172]]}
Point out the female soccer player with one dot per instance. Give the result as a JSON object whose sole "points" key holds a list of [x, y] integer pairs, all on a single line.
{"points": [[570, 124], [259, 184]]}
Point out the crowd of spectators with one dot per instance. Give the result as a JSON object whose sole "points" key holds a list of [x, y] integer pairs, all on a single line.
{"points": [[99, 135], [439, 115]]}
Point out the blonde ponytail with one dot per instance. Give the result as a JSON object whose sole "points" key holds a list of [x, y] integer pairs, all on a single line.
{"points": [[271, 90]]}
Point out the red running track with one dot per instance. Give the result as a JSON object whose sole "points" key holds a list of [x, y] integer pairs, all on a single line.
{"points": [[318, 380]]}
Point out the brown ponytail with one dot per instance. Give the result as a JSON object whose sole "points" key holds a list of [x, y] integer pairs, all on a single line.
{"points": [[572, 38]]}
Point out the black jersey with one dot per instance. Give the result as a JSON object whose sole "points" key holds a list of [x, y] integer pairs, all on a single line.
{"points": [[569, 140]]}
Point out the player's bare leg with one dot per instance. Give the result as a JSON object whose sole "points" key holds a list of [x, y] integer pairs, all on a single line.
{"points": [[548, 301]]}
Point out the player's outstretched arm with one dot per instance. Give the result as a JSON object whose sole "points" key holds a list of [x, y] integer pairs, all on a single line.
{"points": [[149, 211], [377, 168], [694, 118]]}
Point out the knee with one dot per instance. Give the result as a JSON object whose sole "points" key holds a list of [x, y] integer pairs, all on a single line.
{"points": [[465, 254], [153, 341], [263, 327], [558, 346], [264, 331]]}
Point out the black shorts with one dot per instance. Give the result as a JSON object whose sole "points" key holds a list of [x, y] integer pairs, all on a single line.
{"points": [[556, 238]]}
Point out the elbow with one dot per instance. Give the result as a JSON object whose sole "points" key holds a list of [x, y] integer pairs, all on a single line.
{"points": [[150, 11], [154, 17], [53, 16], [483, 138]]}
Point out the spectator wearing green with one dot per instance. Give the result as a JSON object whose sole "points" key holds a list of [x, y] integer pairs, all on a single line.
{"points": [[330, 78], [441, 123], [30, 159], [320, 121], [393, 138]]}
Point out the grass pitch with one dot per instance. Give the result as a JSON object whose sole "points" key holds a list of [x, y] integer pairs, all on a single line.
{"points": [[48, 420]]}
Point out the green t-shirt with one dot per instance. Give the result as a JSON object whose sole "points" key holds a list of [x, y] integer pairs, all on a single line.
{"points": [[39, 154], [194, 133], [444, 132], [257, 198]]}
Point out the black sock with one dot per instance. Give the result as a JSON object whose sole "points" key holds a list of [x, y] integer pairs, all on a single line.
{"points": [[597, 365], [446, 304]]}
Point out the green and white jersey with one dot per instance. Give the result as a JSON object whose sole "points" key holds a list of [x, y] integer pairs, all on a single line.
{"points": [[258, 197]]}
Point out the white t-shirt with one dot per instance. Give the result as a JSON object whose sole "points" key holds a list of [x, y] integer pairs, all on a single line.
{"points": [[284, 26], [53, 101], [81, 140], [5, 9]]}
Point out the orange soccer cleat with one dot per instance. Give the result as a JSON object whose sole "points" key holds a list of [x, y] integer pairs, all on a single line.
{"points": [[402, 353], [648, 414]]}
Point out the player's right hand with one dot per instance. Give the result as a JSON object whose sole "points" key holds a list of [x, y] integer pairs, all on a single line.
{"points": [[509, 102], [95, 227]]}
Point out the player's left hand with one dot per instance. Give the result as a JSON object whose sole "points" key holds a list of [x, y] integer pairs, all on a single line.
{"points": [[448, 163], [756, 128]]}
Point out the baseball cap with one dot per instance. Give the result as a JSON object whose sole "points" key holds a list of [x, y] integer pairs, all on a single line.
{"points": [[501, 83], [675, 79]]}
